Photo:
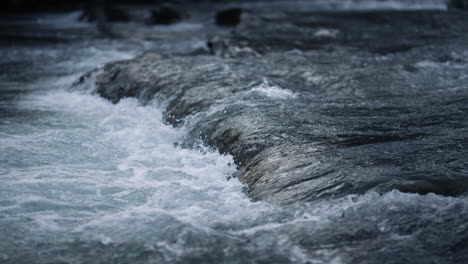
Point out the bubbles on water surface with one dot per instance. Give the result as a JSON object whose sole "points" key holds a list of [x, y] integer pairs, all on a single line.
{"points": [[108, 181], [86, 181], [116, 175], [270, 90]]}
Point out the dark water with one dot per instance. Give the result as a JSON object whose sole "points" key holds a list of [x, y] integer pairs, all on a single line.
{"points": [[85, 180]]}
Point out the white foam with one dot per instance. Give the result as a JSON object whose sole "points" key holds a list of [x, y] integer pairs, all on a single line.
{"points": [[113, 174], [140, 153], [273, 91]]}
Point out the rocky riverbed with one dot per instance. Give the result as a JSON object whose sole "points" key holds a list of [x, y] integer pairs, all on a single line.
{"points": [[319, 104]]}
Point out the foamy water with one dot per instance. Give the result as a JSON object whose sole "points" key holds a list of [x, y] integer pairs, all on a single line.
{"points": [[273, 91], [83, 169], [86, 180], [83, 180]]}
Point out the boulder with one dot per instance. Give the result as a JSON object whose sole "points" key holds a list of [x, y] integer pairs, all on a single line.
{"points": [[319, 105], [460, 4], [104, 14], [164, 15], [229, 17], [303, 127]]}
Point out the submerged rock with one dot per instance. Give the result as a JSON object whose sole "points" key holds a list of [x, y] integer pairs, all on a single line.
{"points": [[104, 14], [331, 139], [229, 17], [364, 112], [164, 15], [460, 4]]}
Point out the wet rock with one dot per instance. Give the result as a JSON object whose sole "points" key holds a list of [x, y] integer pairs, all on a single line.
{"points": [[371, 31], [163, 15], [331, 140], [460, 4], [104, 14], [39, 6], [225, 48], [367, 114], [229, 17]]}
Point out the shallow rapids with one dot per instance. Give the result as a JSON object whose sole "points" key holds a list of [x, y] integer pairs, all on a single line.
{"points": [[86, 180], [83, 180]]}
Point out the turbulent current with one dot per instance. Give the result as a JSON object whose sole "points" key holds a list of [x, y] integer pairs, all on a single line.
{"points": [[83, 180]]}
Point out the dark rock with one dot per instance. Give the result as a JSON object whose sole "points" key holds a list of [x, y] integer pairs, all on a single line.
{"points": [[364, 112], [371, 31], [104, 14], [460, 4], [229, 17], [39, 6], [336, 137], [116, 15], [164, 15]]}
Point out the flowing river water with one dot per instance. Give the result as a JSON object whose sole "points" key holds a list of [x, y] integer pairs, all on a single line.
{"points": [[83, 180]]}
